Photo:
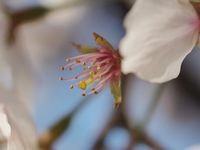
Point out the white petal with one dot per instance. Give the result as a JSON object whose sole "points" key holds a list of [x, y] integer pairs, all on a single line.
{"points": [[159, 35]]}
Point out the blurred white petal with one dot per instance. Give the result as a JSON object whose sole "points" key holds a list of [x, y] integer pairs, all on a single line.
{"points": [[40, 50], [5, 129], [21, 123], [159, 35]]}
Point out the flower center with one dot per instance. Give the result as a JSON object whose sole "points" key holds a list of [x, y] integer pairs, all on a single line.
{"points": [[99, 68]]}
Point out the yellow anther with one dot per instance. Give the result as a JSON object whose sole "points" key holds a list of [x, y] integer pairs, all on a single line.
{"points": [[83, 85]]}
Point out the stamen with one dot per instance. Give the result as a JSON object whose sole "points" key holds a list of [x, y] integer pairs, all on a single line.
{"points": [[107, 69], [87, 56], [79, 76], [99, 87], [102, 82], [70, 65], [100, 67], [105, 61], [83, 84]]}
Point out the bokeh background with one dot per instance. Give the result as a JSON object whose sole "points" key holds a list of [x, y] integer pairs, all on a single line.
{"points": [[34, 42]]}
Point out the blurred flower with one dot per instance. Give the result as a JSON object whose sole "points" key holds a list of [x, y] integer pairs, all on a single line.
{"points": [[5, 129], [159, 35], [101, 65], [16, 125]]}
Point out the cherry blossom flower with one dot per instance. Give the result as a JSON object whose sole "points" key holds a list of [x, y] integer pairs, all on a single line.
{"points": [[159, 35], [101, 66]]}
